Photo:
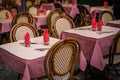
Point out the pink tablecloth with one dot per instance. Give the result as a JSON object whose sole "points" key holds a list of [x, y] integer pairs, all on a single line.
{"points": [[25, 66], [47, 6], [93, 49], [29, 63], [5, 27], [115, 23], [37, 22], [74, 10]]}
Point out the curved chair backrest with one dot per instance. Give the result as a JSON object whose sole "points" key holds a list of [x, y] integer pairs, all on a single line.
{"points": [[19, 30], [22, 17], [37, 2], [52, 15], [3, 12], [61, 59], [106, 16], [82, 9], [85, 16], [58, 5], [62, 22], [28, 3], [32, 10], [115, 50]]}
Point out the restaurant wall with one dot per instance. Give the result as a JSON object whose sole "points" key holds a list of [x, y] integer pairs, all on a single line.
{"points": [[91, 2], [95, 2]]}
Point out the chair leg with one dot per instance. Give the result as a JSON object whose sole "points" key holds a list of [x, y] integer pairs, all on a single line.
{"points": [[116, 71], [1, 38], [19, 76]]}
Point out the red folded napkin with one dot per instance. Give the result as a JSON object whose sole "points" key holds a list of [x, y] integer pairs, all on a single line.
{"points": [[105, 3], [93, 24], [38, 11], [44, 10], [27, 39], [54, 1], [13, 13], [46, 36], [99, 25], [7, 15], [73, 2]]}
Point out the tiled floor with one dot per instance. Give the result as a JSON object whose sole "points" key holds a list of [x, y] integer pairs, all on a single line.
{"points": [[8, 74]]}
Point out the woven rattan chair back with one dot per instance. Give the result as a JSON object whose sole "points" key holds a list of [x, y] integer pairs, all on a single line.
{"points": [[62, 22], [28, 3], [3, 12], [51, 17], [32, 10], [22, 17], [19, 30], [106, 16], [61, 59]]}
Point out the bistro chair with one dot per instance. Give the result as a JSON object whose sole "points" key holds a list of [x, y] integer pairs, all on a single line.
{"points": [[22, 17], [51, 17], [3, 12], [113, 60], [58, 5], [61, 59], [28, 3], [62, 22], [19, 30], [37, 2], [32, 9], [84, 18], [106, 16]]}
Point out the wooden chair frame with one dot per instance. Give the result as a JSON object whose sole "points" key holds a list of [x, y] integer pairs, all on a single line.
{"points": [[113, 59], [3, 11], [106, 12], [51, 58], [51, 17], [30, 3], [17, 26], [84, 16], [23, 14], [34, 9], [53, 27]]}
